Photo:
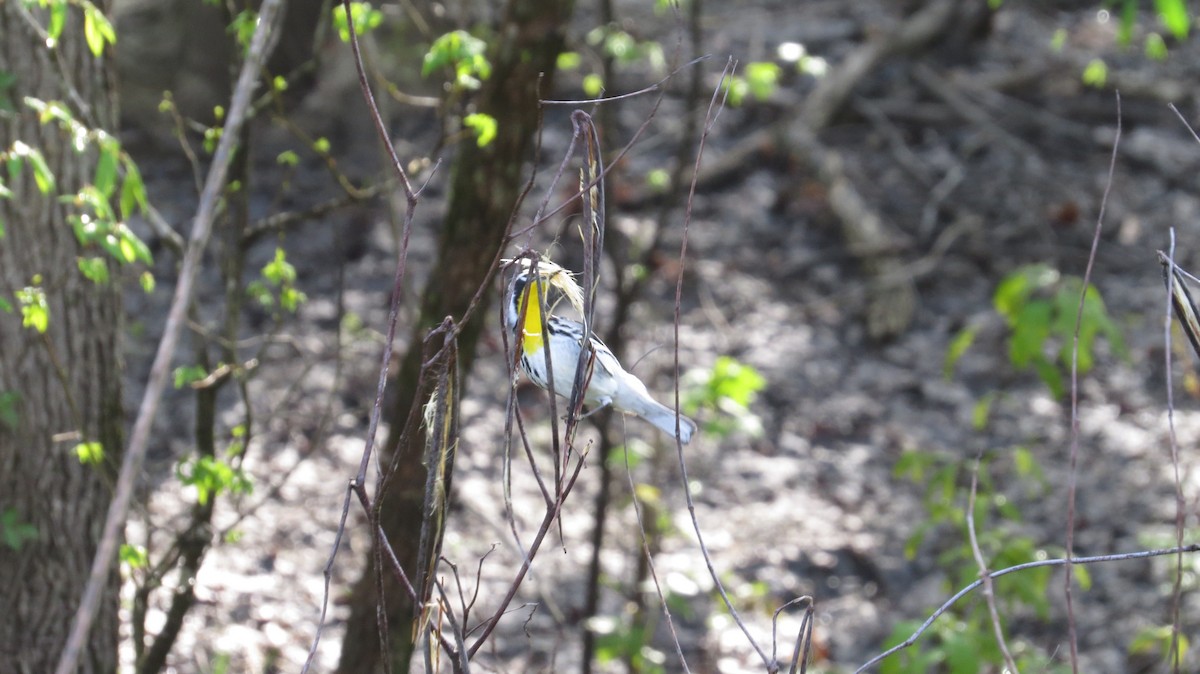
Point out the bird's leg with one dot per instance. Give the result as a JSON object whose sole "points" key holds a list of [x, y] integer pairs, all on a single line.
{"points": [[604, 402]]}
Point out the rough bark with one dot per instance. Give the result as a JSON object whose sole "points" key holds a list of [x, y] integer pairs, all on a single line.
{"points": [[485, 185], [67, 381]]}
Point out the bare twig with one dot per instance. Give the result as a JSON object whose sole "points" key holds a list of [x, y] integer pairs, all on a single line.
{"points": [[989, 594], [1072, 476], [1174, 284], [662, 600], [1190, 328], [803, 648], [357, 484], [260, 46], [716, 105]]}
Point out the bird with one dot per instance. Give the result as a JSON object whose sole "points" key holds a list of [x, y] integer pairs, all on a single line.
{"points": [[610, 384]]}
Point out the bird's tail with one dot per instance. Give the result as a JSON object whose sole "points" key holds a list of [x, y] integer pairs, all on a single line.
{"points": [[632, 397], [664, 418]]}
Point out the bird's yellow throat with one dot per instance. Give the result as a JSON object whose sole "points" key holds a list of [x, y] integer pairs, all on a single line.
{"points": [[531, 305]]}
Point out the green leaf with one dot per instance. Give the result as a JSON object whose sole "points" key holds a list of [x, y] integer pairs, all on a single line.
{"points": [[981, 412], [958, 346], [1095, 74], [133, 249], [963, 653], [133, 556], [1125, 26], [484, 126], [736, 89], [365, 17], [568, 60], [35, 312], [41, 171], [1050, 376], [321, 145], [95, 41], [106, 169], [95, 269], [451, 49], [658, 180], [287, 158], [762, 78], [1026, 464], [279, 271], [58, 19], [212, 477], [593, 85], [1030, 331], [242, 27], [133, 191], [147, 281], [90, 453], [188, 374], [1156, 47], [1174, 15]]}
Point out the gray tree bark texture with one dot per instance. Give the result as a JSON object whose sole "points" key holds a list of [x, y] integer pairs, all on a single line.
{"points": [[63, 387]]}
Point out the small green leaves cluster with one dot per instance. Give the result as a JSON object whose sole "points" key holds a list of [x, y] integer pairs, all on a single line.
{"points": [[277, 286], [212, 476], [97, 30], [35, 311], [98, 226], [463, 55], [760, 79], [727, 389], [625, 641], [1039, 306], [1159, 641], [365, 17], [484, 126], [619, 45], [962, 641], [133, 556], [1172, 16]]}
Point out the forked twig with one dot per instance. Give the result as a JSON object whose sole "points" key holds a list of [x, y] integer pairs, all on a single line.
{"points": [[989, 592], [357, 484]]}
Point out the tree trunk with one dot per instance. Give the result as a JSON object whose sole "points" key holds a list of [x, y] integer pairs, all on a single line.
{"points": [[62, 387], [485, 184]]}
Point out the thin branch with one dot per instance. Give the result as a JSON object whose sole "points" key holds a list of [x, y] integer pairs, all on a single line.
{"points": [[662, 600], [1174, 284], [1176, 652], [357, 483], [989, 592], [714, 110], [1072, 475], [260, 47], [1125, 556]]}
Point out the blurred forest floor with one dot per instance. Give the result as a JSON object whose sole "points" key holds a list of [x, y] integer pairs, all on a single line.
{"points": [[981, 153]]}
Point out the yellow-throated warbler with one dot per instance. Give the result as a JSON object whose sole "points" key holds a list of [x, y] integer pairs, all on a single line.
{"points": [[610, 384]]}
